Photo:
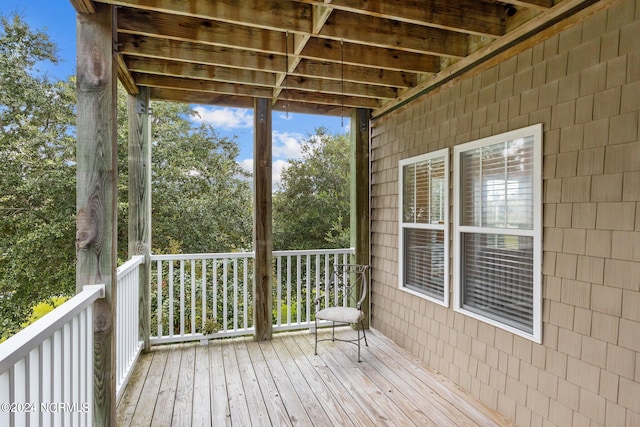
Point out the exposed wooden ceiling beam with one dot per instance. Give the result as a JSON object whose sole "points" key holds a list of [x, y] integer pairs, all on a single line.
{"points": [[380, 32], [192, 97], [336, 87], [279, 15], [319, 16], [567, 9], [222, 34], [469, 16], [333, 99], [341, 53], [295, 83], [370, 56], [84, 6], [307, 108], [329, 70], [192, 70], [125, 76], [206, 31], [535, 4], [198, 53], [207, 86]]}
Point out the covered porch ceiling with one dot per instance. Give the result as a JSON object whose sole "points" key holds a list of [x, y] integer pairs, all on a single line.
{"points": [[314, 56]]}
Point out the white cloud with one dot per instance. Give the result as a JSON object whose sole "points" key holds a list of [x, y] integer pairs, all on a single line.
{"points": [[224, 118], [276, 170], [287, 145], [278, 167], [247, 164]]}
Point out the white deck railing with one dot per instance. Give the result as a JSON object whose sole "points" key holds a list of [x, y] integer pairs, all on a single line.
{"points": [[192, 292], [46, 370], [128, 342]]}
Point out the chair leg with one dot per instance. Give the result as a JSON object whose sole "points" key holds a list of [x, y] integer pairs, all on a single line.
{"points": [[333, 331], [364, 333], [316, 334], [359, 360]]}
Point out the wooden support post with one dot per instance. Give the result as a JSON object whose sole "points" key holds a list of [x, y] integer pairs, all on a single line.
{"points": [[140, 200], [359, 218], [96, 197], [262, 228]]}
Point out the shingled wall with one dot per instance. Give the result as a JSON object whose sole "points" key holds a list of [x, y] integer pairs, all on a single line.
{"points": [[583, 84]]}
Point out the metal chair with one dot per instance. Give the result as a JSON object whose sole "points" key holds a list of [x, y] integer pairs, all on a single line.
{"points": [[348, 284]]}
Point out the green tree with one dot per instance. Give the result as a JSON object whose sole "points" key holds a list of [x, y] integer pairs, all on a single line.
{"points": [[37, 188], [201, 200], [311, 210], [201, 197]]}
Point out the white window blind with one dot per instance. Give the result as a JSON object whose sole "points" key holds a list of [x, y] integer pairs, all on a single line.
{"points": [[423, 233], [498, 228]]}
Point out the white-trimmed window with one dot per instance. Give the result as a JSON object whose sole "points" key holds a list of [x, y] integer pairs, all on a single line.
{"points": [[498, 230], [424, 231]]}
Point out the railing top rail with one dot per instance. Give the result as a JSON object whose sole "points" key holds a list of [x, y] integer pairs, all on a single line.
{"points": [[130, 265], [315, 252], [178, 257], [19, 345]]}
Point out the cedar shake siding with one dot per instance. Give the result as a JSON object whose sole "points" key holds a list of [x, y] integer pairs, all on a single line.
{"points": [[583, 85]]}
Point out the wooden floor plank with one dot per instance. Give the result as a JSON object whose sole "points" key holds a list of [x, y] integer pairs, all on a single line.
{"points": [[367, 393], [336, 414], [238, 408], [240, 382], [312, 404], [163, 413], [132, 392], [220, 413], [183, 406], [459, 399], [147, 403], [294, 405], [255, 401], [343, 390], [273, 400], [201, 392], [397, 389], [436, 410]]}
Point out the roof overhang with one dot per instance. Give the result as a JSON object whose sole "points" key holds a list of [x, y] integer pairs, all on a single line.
{"points": [[315, 56]]}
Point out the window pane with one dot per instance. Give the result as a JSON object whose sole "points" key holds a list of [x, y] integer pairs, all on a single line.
{"points": [[424, 261], [437, 194], [422, 192], [497, 185], [498, 278], [519, 189], [408, 193]]}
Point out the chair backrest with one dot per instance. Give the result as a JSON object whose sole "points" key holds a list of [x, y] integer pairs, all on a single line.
{"points": [[352, 279]]}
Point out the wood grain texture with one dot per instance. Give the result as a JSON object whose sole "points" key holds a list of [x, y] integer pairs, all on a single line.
{"points": [[360, 212], [272, 39], [96, 195], [139, 233], [183, 404], [280, 382], [262, 228]]}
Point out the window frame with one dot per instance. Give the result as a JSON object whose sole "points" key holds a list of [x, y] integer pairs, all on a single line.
{"points": [[535, 232], [444, 226]]}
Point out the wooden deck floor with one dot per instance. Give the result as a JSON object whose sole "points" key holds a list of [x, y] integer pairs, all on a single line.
{"points": [[240, 382]]}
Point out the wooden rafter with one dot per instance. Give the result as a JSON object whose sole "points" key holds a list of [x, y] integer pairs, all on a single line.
{"points": [[374, 54]]}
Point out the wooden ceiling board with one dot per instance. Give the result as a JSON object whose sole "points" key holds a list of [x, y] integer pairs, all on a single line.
{"points": [[317, 56]]}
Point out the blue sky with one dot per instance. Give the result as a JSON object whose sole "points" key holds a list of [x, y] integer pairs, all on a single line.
{"points": [[58, 19]]}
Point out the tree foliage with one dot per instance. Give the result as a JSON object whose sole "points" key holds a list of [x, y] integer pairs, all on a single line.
{"points": [[311, 210], [201, 201], [37, 189], [201, 198]]}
